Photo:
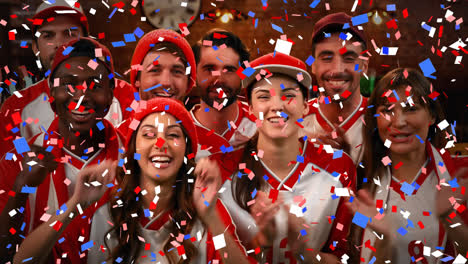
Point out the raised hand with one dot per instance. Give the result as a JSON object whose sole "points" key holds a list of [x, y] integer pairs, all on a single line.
{"points": [[91, 182], [337, 139], [447, 199], [364, 204], [264, 211], [41, 163], [207, 184]]}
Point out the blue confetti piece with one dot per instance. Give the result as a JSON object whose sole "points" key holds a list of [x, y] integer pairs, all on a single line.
{"points": [[426, 27], [351, 199], [360, 220], [121, 162], [47, 73], [391, 7], [251, 14], [110, 185], [338, 154], [100, 125], [138, 32], [396, 95], [453, 183], [26, 260], [310, 60], [24, 223], [407, 188], [265, 177], [61, 240], [372, 261], [113, 12], [23, 44], [427, 68], [187, 236], [27, 189], [9, 156], [300, 159], [202, 16], [303, 232], [254, 193], [300, 120], [147, 212], [67, 50], [282, 86], [206, 203], [129, 37], [343, 36], [152, 87], [87, 245], [402, 231], [327, 100], [136, 156], [283, 115], [385, 50], [118, 260], [334, 196], [410, 224], [136, 95], [264, 2], [207, 109], [117, 44], [21, 145], [446, 259], [420, 139], [49, 148], [256, 22], [335, 174], [361, 19], [314, 3], [277, 28], [248, 71]]}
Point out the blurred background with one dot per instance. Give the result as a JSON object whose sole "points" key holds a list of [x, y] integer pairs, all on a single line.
{"points": [[260, 23]]}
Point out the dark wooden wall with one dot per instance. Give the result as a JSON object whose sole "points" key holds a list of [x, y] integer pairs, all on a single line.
{"points": [[414, 45]]}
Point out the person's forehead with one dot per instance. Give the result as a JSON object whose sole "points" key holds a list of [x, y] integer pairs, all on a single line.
{"points": [[80, 66], [163, 57], [335, 42], [154, 119], [60, 23], [221, 55]]}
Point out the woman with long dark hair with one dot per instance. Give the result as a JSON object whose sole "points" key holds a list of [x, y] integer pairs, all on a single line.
{"points": [[408, 176], [285, 196], [164, 207]]}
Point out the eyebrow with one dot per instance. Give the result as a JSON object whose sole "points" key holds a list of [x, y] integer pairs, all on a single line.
{"points": [[350, 53], [169, 127], [326, 52]]}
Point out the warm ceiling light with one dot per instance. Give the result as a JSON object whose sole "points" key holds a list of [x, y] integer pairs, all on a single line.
{"points": [[226, 17], [376, 18]]}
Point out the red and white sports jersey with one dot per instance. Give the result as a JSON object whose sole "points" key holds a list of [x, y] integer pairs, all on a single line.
{"points": [[315, 123], [416, 227], [309, 190], [239, 131], [58, 186], [156, 233], [31, 114]]}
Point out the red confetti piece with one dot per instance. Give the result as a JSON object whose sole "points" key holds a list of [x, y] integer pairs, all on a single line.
{"points": [[12, 231], [160, 142], [101, 35], [368, 245], [16, 118], [434, 95], [379, 203], [346, 94], [219, 36], [240, 74], [273, 195], [57, 226], [394, 209], [11, 193], [11, 35], [119, 5], [191, 156], [147, 246], [137, 190], [398, 165], [421, 225], [425, 213], [343, 50], [405, 12]]}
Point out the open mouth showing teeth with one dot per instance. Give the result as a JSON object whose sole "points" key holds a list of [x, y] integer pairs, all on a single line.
{"points": [[161, 161], [277, 120], [164, 94], [337, 83]]}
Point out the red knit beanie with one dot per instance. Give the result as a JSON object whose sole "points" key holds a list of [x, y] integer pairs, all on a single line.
{"points": [[169, 106], [162, 35]]}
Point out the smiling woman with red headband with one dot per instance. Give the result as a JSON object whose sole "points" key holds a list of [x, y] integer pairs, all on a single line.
{"points": [[284, 183], [164, 204]]}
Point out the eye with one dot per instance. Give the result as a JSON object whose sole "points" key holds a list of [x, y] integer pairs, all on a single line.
{"points": [[178, 72], [290, 95], [349, 59]]}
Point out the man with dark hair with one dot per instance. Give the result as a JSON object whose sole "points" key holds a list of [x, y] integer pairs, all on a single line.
{"points": [[28, 112], [82, 85], [334, 117], [222, 121]]}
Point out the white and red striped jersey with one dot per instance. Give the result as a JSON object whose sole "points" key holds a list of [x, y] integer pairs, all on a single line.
{"points": [[309, 190], [239, 131], [315, 123], [416, 229], [155, 233]]}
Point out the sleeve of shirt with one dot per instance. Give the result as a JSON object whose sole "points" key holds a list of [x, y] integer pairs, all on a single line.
{"points": [[231, 229]]}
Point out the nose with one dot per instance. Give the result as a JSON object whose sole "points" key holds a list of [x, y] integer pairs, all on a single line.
{"points": [[399, 118], [277, 104], [165, 79], [161, 142], [337, 66]]}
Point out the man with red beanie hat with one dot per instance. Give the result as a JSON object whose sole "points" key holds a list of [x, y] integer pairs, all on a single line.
{"points": [[28, 112], [222, 121], [334, 117], [40, 182]]}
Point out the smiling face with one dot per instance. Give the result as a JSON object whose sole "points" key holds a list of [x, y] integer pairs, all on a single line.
{"points": [[161, 143], [216, 71], [86, 91], [335, 66], [280, 108], [54, 34], [400, 124], [165, 69]]}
